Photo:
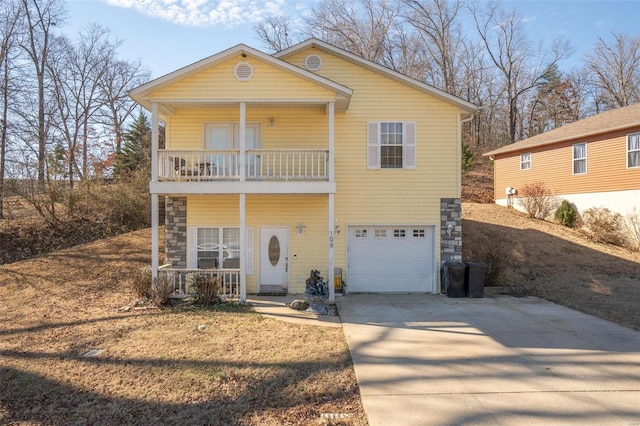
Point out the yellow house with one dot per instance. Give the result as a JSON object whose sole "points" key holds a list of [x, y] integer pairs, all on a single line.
{"points": [[311, 158]]}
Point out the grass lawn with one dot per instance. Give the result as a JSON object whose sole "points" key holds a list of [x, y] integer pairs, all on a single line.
{"points": [[157, 366]]}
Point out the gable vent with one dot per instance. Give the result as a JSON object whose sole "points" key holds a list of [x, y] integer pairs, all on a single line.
{"points": [[313, 62], [243, 71]]}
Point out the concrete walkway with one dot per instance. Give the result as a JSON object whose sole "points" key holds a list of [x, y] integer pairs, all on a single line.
{"points": [[432, 360]]}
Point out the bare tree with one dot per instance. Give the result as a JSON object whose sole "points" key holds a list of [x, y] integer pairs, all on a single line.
{"points": [[276, 32], [41, 17], [10, 16], [616, 70], [118, 77], [522, 68], [76, 71], [481, 86], [362, 27], [441, 35]]}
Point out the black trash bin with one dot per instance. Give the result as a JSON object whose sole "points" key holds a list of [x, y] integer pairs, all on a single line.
{"points": [[474, 279], [453, 274]]}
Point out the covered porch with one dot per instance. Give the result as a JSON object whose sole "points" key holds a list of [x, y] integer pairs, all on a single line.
{"points": [[241, 173]]}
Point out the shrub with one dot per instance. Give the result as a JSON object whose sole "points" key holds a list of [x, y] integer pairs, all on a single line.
{"points": [[205, 289], [632, 229], [163, 291], [603, 225], [467, 158], [537, 200], [491, 252], [567, 214], [142, 282]]}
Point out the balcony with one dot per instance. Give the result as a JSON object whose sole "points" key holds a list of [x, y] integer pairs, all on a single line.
{"points": [[260, 165]]}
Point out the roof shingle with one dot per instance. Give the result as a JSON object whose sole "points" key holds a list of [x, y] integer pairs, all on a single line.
{"points": [[607, 121]]}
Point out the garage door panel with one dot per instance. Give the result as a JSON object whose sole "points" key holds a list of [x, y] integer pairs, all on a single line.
{"points": [[390, 264]]}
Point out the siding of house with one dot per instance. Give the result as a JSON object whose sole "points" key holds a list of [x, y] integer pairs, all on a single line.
{"points": [[389, 196], [553, 164], [219, 82], [185, 129], [310, 249]]}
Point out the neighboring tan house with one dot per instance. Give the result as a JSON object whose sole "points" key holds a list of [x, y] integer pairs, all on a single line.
{"points": [[311, 158], [593, 162]]}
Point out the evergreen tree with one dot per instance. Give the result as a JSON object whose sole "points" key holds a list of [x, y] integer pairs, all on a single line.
{"points": [[136, 152]]}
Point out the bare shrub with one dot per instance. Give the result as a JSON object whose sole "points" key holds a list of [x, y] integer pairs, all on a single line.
{"points": [[632, 229], [142, 282], [537, 200], [163, 291], [491, 252], [603, 225], [205, 289]]}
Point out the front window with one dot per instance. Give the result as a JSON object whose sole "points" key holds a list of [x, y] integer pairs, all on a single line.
{"points": [[391, 142], [579, 158], [633, 150], [218, 248], [525, 161]]}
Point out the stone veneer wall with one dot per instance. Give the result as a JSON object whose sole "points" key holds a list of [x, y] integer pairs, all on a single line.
{"points": [[176, 231], [450, 214]]}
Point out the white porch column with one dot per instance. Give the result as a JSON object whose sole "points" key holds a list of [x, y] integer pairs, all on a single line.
{"points": [[243, 140], [155, 141], [155, 230], [331, 108], [155, 204], [332, 223], [243, 248], [332, 290]]}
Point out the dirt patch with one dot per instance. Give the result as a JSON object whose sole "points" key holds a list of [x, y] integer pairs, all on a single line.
{"points": [[559, 264], [168, 366], [477, 187]]}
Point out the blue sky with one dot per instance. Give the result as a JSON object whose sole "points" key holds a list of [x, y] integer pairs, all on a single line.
{"points": [[169, 34]]}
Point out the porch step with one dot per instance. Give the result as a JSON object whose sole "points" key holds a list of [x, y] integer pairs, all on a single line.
{"points": [[275, 293]]}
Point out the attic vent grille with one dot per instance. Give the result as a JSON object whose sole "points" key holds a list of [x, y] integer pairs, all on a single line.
{"points": [[313, 62], [243, 71]]}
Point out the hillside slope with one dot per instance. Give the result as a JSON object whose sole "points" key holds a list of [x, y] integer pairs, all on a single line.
{"points": [[550, 261]]}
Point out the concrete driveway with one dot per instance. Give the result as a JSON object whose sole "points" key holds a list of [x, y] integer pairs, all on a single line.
{"points": [[427, 359]]}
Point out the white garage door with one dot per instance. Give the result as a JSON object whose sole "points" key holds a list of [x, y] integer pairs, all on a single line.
{"points": [[390, 259]]}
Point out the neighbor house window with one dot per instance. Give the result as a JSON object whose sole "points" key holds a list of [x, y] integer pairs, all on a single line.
{"points": [[633, 150], [579, 158], [218, 248], [525, 161], [391, 145]]}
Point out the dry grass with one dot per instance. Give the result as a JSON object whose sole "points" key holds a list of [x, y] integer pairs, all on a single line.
{"points": [[157, 366], [557, 263]]}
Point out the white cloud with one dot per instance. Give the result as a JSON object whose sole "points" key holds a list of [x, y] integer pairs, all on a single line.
{"points": [[528, 19], [205, 13]]}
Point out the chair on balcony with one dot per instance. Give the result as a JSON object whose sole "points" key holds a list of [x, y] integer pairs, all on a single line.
{"points": [[179, 164]]}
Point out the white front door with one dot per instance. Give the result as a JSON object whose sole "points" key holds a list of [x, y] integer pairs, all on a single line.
{"points": [[274, 259]]}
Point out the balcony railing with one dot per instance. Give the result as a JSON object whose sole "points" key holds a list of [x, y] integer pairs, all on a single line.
{"points": [[260, 164], [180, 279]]}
